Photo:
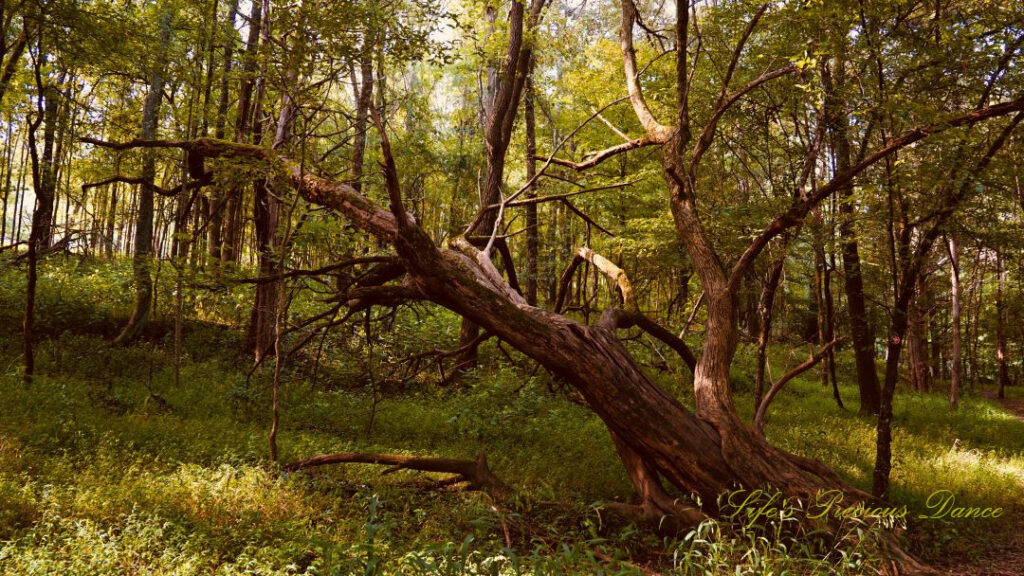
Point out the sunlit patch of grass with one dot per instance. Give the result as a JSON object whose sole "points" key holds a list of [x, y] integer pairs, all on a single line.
{"points": [[98, 477]]}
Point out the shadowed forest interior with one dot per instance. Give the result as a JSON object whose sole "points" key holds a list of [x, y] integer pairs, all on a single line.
{"points": [[511, 287]]}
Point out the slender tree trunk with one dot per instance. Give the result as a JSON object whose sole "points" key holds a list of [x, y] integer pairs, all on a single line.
{"points": [[955, 360], [264, 327], [47, 171], [917, 345], [531, 209], [142, 257], [364, 99], [231, 240], [862, 333], [40, 221], [111, 220], [764, 308], [1002, 374], [9, 147], [830, 326], [216, 204]]}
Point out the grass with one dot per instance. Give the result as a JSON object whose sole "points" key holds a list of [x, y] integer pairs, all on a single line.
{"points": [[99, 477]]}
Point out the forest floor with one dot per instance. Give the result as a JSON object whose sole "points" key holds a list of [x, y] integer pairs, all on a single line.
{"points": [[1012, 404], [112, 464]]}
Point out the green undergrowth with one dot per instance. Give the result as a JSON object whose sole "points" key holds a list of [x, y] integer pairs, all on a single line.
{"points": [[108, 465]]}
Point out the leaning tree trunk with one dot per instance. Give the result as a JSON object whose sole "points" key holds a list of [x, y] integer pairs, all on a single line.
{"points": [[705, 453], [143, 255]]}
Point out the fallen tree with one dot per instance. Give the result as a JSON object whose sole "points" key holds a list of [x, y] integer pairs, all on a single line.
{"points": [[703, 453], [475, 473]]}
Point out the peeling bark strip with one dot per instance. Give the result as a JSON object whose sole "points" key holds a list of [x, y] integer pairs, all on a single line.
{"points": [[475, 472]]}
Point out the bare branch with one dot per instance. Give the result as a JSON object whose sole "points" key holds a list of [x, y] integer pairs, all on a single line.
{"points": [[777, 386], [596, 158], [737, 52], [554, 197], [799, 210], [614, 273], [707, 134], [141, 181]]}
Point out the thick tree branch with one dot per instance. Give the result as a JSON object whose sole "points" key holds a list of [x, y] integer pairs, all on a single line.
{"points": [[363, 297]]}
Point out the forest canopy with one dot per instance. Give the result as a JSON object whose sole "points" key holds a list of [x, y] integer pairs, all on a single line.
{"points": [[623, 275]]}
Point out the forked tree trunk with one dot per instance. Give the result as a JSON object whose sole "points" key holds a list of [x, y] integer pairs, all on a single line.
{"points": [[505, 84], [40, 220]]}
